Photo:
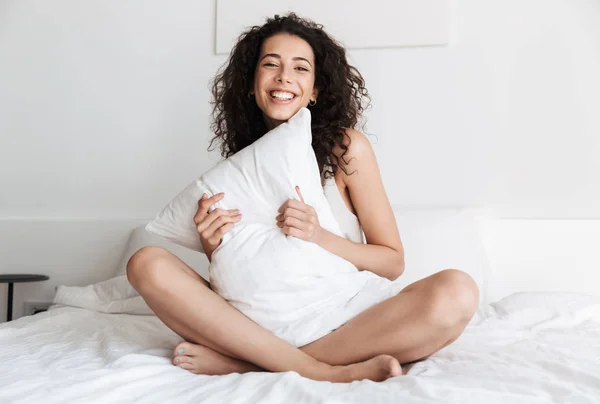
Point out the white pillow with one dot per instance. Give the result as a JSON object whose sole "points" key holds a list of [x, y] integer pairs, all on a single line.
{"points": [[140, 237], [289, 286], [442, 238], [257, 180]]}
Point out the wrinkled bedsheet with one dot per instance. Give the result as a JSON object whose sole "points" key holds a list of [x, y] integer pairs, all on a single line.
{"points": [[527, 348]]}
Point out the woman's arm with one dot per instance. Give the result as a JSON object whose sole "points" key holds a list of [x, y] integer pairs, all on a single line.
{"points": [[383, 254], [380, 259]]}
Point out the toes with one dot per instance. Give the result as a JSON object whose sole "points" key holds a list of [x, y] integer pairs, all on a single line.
{"points": [[179, 349], [181, 359], [184, 354], [187, 366], [184, 362], [183, 348]]}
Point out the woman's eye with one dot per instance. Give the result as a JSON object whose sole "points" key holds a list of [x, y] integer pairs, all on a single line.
{"points": [[302, 69], [269, 64]]}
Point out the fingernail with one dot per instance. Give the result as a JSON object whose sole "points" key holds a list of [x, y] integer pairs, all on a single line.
{"points": [[177, 360], [180, 351]]}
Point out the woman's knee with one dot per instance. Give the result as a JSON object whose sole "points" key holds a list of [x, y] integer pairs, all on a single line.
{"points": [[454, 298], [146, 265]]}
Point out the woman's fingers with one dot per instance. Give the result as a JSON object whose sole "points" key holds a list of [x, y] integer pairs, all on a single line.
{"points": [[297, 228], [200, 212], [292, 231], [294, 204], [218, 235], [299, 193], [219, 232], [204, 204], [217, 218], [298, 219], [298, 214], [297, 224]]}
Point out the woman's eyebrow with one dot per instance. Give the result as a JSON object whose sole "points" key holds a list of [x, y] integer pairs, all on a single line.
{"points": [[275, 55]]}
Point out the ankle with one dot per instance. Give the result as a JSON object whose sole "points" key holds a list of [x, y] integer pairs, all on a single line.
{"points": [[323, 372], [339, 374]]}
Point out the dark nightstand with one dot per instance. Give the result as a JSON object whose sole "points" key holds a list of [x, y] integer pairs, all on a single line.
{"points": [[17, 278]]}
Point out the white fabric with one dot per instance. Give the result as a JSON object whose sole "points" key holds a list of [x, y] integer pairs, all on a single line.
{"points": [[140, 237], [293, 288], [529, 348], [114, 295], [257, 180]]}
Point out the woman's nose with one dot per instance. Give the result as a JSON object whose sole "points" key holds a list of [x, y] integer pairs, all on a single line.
{"points": [[283, 76]]}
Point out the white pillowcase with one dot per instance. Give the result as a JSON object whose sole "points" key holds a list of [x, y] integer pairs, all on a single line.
{"points": [[289, 286], [257, 180]]}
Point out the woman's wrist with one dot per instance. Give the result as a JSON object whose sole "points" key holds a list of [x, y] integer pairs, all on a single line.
{"points": [[320, 237]]}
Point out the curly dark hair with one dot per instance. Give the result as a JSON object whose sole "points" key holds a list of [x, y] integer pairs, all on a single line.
{"points": [[237, 119]]}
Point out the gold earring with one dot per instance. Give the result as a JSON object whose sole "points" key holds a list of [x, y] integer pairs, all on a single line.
{"points": [[312, 103]]}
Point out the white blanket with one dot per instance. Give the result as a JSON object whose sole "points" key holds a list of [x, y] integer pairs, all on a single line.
{"points": [[527, 348]]}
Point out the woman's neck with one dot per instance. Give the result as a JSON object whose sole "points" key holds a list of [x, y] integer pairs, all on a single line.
{"points": [[271, 123]]}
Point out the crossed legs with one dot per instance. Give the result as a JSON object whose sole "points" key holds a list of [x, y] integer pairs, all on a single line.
{"points": [[420, 320]]}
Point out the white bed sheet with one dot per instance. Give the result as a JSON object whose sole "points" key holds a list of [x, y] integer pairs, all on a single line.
{"points": [[527, 348]]}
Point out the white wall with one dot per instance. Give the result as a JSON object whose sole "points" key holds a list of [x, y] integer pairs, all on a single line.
{"points": [[506, 116], [104, 111], [105, 107], [104, 103]]}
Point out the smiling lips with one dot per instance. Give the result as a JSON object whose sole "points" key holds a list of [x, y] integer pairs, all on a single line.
{"points": [[282, 95]]}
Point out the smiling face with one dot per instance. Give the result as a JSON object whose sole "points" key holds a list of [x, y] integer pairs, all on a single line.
{"points": [[284, 78]]}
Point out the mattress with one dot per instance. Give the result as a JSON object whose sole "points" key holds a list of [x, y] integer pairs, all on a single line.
{"points": [[528, 348]]}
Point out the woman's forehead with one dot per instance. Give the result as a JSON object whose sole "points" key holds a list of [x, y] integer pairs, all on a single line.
{"points": [[287, 46]]}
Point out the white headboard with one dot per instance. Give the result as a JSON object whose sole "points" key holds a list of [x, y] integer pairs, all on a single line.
{"points": [[542, 255]]}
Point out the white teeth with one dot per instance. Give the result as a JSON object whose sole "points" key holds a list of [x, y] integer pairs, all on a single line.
{"points": [[282, 95]]}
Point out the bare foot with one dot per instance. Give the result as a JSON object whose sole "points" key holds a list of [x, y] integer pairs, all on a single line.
{"points": [[378, 369], [202, 360]]}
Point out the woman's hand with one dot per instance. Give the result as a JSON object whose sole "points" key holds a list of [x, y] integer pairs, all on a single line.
{"points": [[212, 226], [299, 220]]}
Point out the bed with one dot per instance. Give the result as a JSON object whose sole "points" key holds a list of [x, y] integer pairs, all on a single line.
{"points": [[527, 348], [99, 343]]}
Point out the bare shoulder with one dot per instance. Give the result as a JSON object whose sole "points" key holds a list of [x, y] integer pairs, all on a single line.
{"points": [[358, 156], [357, 143], [365, 189]]}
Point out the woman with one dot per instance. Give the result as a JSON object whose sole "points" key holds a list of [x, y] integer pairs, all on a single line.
{"points": [[273, 71]]}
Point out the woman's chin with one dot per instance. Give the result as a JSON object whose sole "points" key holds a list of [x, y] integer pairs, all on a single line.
{"points": [[281, 113]]}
